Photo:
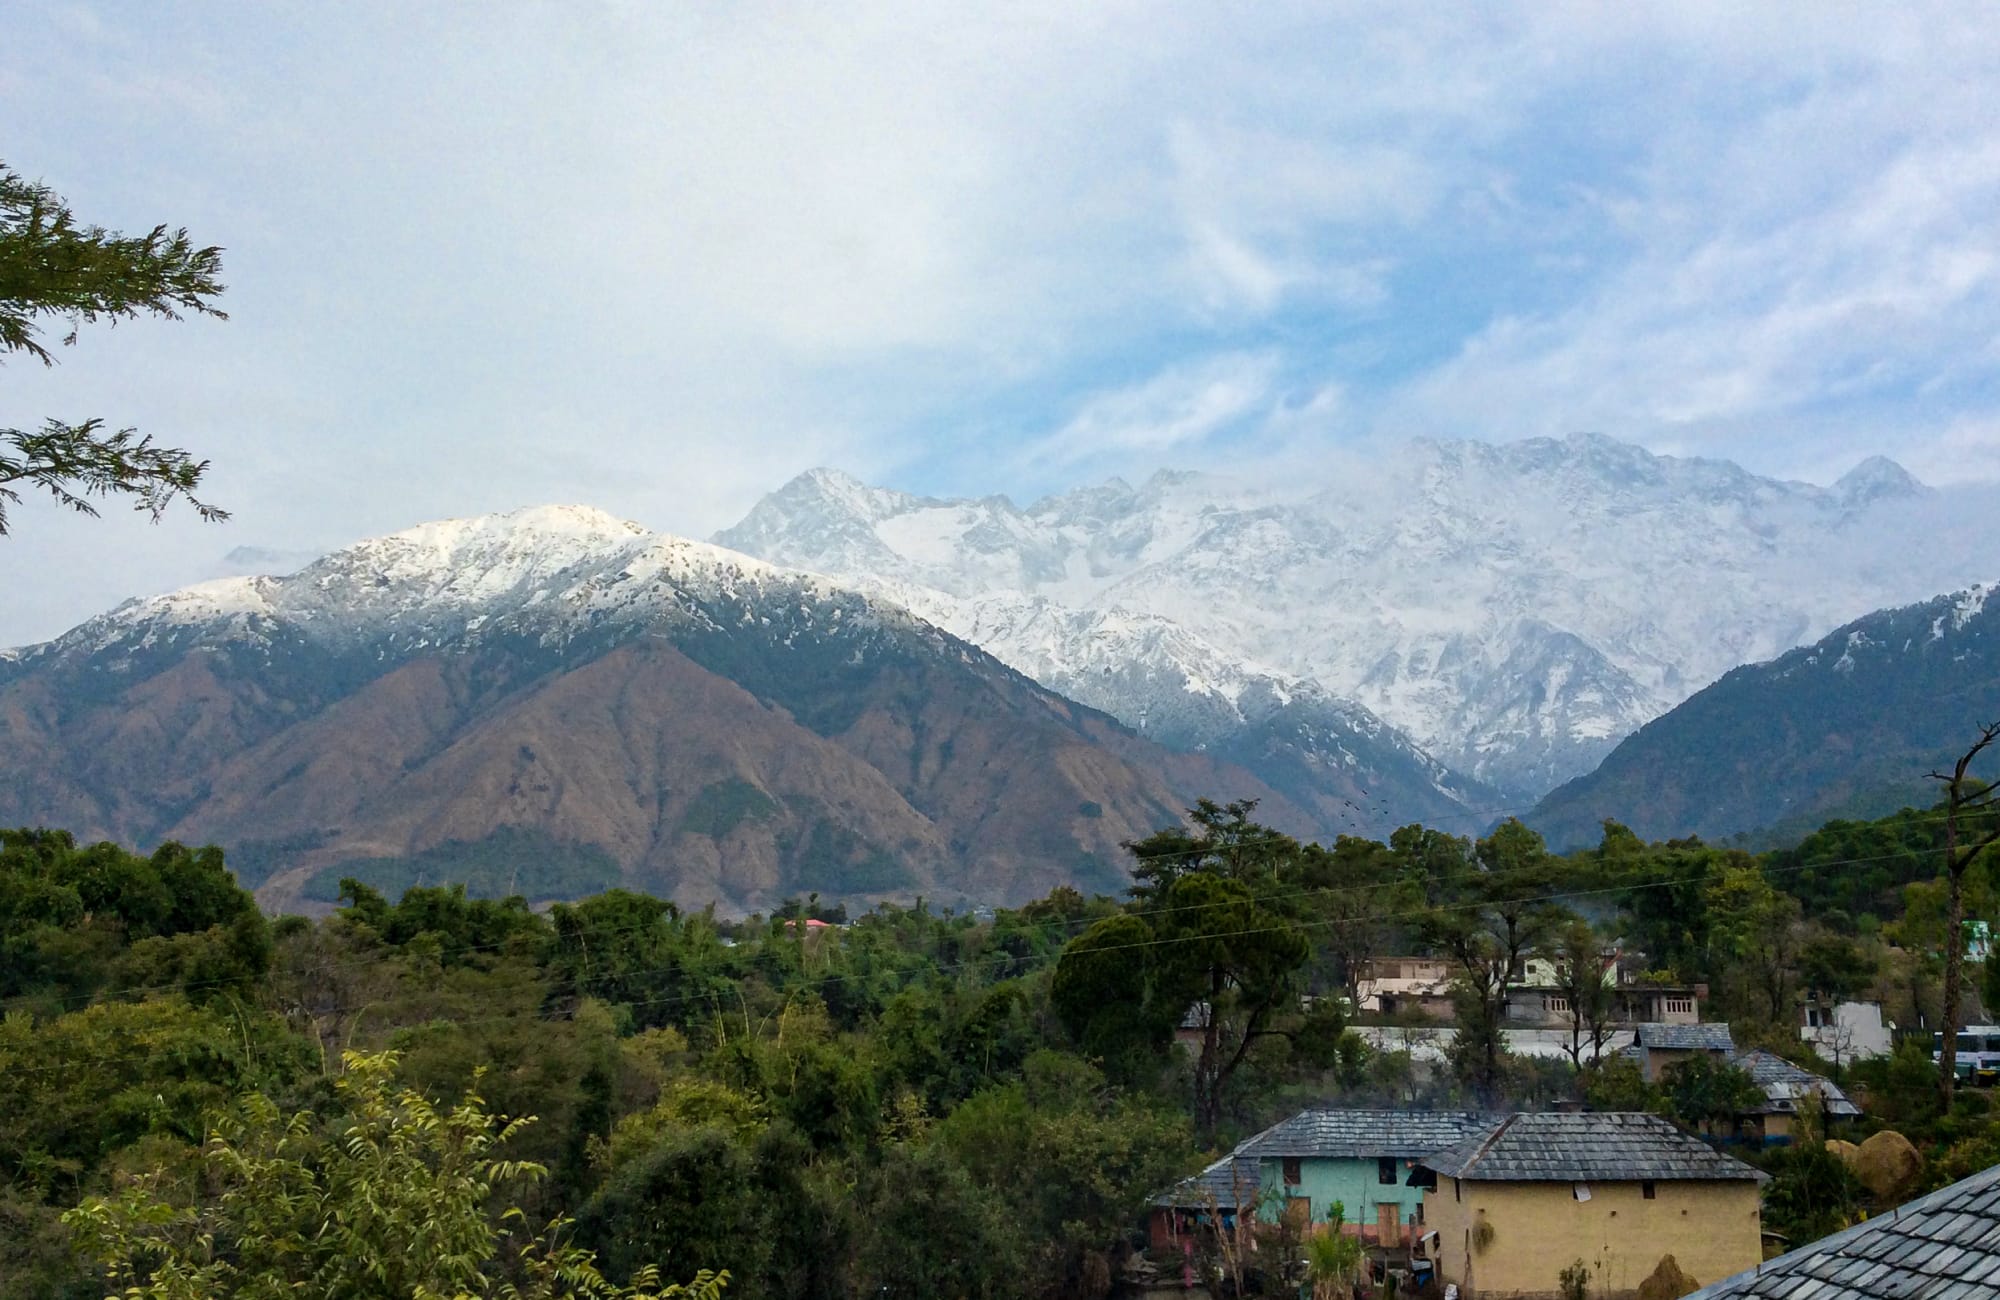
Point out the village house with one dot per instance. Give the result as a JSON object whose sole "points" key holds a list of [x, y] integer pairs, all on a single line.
{"points": [[1944, 1246], [1843, 1032], [1518, 1201], [1786, 1087], [1657, 1046], [1368, 1161], [1404, 986]]}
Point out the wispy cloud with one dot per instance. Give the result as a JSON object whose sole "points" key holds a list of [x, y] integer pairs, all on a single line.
{"points": [[1173, 412], [662, 257]]}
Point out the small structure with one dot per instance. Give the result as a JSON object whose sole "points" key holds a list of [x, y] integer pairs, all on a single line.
{"points": [[1367, 1160], [1658, 1046], [1218, 1193], [1846, 1031], [1393, 986], [1944, 1246], [1520, 1200], [1786, 1086]]}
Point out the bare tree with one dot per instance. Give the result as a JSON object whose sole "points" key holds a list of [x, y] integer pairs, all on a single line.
{"points": [[1964, 794]]}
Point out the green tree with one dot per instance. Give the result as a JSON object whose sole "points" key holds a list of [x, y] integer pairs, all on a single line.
{"points": [[1705, 1091], [1487, 927], [1580, 970], [52, 267], [397, 1204]]}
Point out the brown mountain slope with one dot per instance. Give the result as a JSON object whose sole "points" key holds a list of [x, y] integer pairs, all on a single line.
{"points": [[934, 774]]}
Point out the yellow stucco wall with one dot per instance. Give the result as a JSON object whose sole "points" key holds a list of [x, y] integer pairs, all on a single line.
{"points": [[1710, 1228]]}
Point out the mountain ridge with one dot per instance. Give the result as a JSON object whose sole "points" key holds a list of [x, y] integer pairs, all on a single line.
{"points": [[1514, 609]]}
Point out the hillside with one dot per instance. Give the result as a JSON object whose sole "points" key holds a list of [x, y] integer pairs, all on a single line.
{"points": [[1845, 725], [557, 701]]}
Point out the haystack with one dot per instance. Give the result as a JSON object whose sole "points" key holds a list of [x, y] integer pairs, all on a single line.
{"points": [[1846, 1150], [1667, 1282]]}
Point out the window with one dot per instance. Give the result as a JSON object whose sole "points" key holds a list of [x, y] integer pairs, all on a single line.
{"points": [[1385, 1170], [1555, 1002], [1646, 1189], [1456, 1194], [1676, 1006], [1421, 1176], [1292, 1175]]}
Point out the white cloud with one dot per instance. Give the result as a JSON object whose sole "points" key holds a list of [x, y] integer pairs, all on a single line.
{"points": [[660, 257], [1171, 413]]}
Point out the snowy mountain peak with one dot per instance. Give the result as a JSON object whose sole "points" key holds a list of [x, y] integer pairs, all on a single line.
{"points": [[1516, 608], [1875, 479]]}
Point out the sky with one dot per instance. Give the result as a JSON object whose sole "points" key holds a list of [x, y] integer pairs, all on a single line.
{"points": [[660, 257]]}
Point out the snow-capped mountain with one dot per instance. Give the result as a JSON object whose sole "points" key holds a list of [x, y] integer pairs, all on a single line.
{"points": [[1516, 609], [560, 693], [1846, 726]]}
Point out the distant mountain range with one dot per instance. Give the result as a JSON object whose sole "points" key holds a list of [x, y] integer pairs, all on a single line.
{"points": [[555, 701], [1847, 726], [1511, 612], [872, 694]]}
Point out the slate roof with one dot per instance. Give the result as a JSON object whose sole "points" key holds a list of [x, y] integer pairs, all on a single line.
{"points": [[1945, 1246], [1229, 1180], [1365, 1134], [1589, 1146], [1784, 1084], [1687, 1038]]}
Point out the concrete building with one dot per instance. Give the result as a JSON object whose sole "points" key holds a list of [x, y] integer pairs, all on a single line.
{"points": [[1845, 1032], [1518, 1202]]}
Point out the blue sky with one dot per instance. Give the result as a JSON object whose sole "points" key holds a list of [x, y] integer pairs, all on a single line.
{"points": [[660, 257]]}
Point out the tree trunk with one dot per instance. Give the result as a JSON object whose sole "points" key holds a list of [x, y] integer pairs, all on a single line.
{"points": [[1954, 967]]}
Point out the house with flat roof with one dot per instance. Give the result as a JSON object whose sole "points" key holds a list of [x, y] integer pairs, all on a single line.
{"points": [[1944, 1246], [1521, 1199]]}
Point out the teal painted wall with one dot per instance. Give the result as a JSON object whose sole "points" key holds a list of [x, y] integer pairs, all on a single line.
{"points": [[1351, 1182]]}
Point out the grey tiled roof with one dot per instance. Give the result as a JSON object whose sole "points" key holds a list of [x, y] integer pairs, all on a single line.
{"points": [[1945, 1246], [1687, 1038], [1586, 1147], [1365, 1134], [1784, 1084], [1230, 1181]]}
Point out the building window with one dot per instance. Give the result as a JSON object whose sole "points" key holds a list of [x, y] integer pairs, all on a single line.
{"points": [[1556, 1002], [1456, 1195], [1677, 1006], [1385, 1171], [1292, 1175], [1646, 1189]]}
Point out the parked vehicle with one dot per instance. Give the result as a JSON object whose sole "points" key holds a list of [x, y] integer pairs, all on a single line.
{"points": [[1978, 1054]]}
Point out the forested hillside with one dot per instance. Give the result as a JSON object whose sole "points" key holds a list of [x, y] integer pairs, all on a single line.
{"points": [[1846, 726], [826, 1104]]}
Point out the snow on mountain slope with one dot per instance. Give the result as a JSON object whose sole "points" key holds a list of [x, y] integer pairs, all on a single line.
{"points": [[552, 573], [1517, 609]]}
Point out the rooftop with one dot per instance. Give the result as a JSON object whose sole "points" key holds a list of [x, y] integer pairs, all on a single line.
{"points": [[1228, 1184], [1687, 1038], [1784, 1083], [1612, 1147], [1364, 1134], [1945, 1246]]}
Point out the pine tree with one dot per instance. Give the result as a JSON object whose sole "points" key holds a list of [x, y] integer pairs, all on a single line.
{"points": [[52, 267]]}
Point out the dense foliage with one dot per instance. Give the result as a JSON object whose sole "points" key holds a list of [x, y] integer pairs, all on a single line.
{"points": [[900, 1103]]}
